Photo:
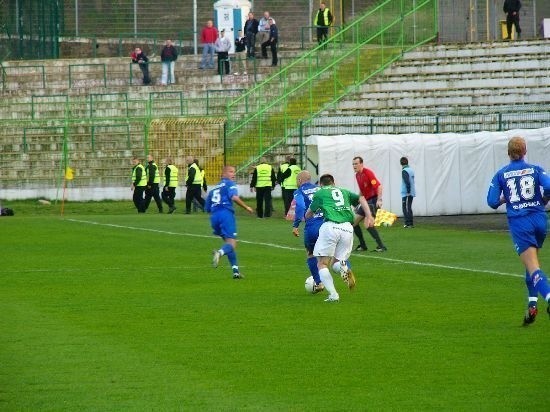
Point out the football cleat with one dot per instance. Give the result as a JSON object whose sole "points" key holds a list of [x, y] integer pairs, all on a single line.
{"points": [[380, 249], [318, 288], [530, 315], [332, 299], [215, 258], [348, 277], [237, 275]]}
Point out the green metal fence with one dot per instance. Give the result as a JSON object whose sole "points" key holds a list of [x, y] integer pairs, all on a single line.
{"points": [[266, 116]]}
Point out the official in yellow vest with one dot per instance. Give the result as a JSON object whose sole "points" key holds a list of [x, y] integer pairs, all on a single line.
{"points": [[153, 181], [139, 183], [289, 184], [170, 184], [263, 182], [194, 185], [282, 169], [323, 20]]}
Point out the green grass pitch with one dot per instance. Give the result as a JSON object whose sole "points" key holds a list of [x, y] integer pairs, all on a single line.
{"points": [[106, 310]]}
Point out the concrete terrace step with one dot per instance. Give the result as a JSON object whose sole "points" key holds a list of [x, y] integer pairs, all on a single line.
{"points": [[470, 67], [484, 50], [27, 77], [381, 104], [455, 84]]}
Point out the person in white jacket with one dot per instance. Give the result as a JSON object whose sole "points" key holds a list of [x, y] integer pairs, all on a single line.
{"points": [[222, 46]]}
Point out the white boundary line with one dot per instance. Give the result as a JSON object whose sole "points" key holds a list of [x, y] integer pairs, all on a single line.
{"points": [[276, 246]]}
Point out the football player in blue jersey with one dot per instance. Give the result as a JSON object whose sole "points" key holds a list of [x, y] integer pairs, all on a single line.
{"points": [[303, 196], [525, 189], [219, 204]]}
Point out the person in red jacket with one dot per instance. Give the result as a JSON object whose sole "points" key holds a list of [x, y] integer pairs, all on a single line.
{"points": [[371, 189], [209, 35]]}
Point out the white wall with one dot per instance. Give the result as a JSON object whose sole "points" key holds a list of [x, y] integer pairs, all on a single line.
{"points": [[453, 171]]}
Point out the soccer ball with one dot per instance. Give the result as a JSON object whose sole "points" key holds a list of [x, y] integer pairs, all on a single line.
{"points": [[310, 285]]}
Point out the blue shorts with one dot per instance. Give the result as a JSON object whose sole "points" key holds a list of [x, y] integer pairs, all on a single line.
{"points": [[223, 224], [311, 233], [528, 231]]}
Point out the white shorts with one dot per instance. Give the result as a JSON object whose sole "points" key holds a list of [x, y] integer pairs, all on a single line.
{"points": [[335, 240]]}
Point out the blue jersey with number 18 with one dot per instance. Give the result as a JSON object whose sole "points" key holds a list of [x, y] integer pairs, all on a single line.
{"points": [[523, 186], [220, 196]]}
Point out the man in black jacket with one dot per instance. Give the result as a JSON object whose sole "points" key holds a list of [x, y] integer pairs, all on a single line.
{"points": [[271, 42], [250, 31], [511, 8]]}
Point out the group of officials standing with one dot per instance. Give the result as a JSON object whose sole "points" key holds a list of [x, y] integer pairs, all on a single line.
{"points": [[146, 184]]}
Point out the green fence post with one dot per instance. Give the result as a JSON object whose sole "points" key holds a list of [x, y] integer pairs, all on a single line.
{"points": [[301, 142], [500, 122]]}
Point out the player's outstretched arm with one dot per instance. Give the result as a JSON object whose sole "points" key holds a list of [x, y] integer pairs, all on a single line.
{"points": [[239, 201]]}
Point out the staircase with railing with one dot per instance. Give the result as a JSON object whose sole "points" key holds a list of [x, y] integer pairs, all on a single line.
{"points": [[267, 117]]}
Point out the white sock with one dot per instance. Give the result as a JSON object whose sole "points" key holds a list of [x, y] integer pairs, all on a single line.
{"points": [[221, 252], [327, 280], [340, 267]]}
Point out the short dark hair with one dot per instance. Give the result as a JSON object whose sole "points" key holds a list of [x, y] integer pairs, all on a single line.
{"points": [[326, 180], [404, 161], [292, 161], [358, 158]]}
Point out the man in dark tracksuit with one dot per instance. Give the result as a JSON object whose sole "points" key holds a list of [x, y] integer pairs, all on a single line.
{"points": [[511, 8]]}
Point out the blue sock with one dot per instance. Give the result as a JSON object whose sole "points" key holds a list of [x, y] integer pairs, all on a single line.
{"points": [[313, 269], [227, 248], [531, 291], [232, 256], [540, 283]]}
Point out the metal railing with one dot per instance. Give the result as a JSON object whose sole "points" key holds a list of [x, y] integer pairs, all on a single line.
{"points": [[264, 117], [25, 73], [308, 34], [85, 69]]}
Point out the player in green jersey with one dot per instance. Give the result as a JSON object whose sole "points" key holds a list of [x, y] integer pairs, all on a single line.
{"points": [[336, 234]]}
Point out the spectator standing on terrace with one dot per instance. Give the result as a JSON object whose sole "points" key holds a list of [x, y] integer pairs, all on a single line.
{"points": [[263, 28], [223, 45], [512, 8], [168, 57], [323, 20], [153, 181], [408, 191], [271, 42], [240, 47], [141, 59], [525, 189], [209, 35], [250, 31], [139, 183]]}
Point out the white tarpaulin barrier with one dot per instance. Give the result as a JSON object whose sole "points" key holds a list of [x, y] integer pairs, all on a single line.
{"points": [[453, 171]]}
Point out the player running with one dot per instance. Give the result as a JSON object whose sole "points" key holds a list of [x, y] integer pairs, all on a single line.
{"points": [[525, 189], [219, 204], [336, 233]]}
